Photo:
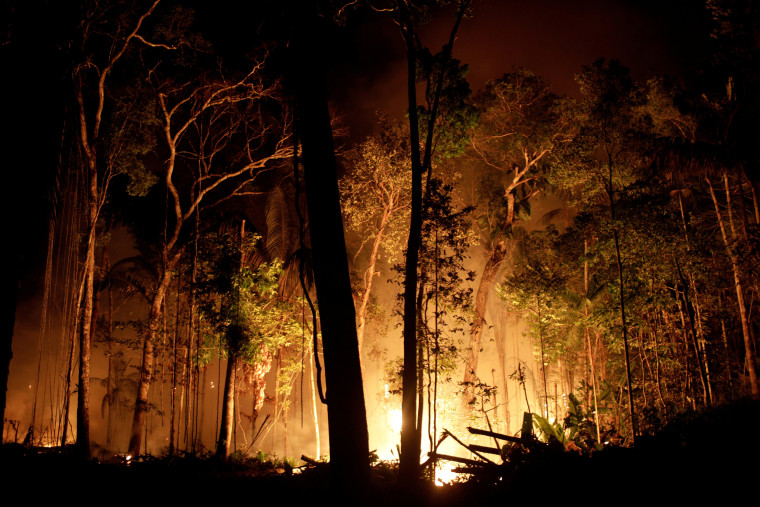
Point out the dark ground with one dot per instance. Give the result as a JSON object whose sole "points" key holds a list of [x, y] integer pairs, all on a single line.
{"points": [[709, 457]]}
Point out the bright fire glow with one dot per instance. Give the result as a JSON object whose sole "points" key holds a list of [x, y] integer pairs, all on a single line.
{"points": [[394, 417], [444, 474]]}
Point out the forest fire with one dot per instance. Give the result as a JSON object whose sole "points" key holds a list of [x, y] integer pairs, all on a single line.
{"points": [[467, 286]]}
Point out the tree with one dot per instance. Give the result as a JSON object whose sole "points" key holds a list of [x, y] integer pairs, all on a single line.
{"points": [[91, 77], [406, 17], [243, 304], [229, 128], [609, 148], [443, 297], [516, 135], [39, 90], [349, 448], [375, 195], [534, 286]]}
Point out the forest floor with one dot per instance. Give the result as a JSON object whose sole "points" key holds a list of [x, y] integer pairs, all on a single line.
{"points": [[713, 455]]}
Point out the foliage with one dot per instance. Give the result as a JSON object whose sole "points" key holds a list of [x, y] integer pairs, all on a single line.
{"points": [[457, 116], [535, 286], [376, 189], [242, 303]]}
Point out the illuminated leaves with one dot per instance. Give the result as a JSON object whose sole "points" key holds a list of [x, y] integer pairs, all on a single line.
{"points": [[375, 193]]}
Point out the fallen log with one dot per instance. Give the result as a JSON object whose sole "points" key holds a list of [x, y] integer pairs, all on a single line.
{"points": [[457, 459], [484, 449], [309, 460], [493, 434]]}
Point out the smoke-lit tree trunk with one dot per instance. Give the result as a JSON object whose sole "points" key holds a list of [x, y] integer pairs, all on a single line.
{"points": [[501, 338], [235, 341], [369, 277], [69, 368], [349, 447], [146, 369], [174, 365], [749, 355], [587, 335], [83, 388], [517, 106], [90, 127], [228, 410], [487, 279], [110, 421]]}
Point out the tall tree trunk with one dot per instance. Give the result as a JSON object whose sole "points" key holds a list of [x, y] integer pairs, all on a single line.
{"points": [[85, 338], [89, 136], [410, 447], [501, 338], [173, 394], [410, 450], [43, 319], [69, 368], [543, 358], [347, 421], [619, 262], [146, 369], [109, 351], [587, 335], [631, 410]]}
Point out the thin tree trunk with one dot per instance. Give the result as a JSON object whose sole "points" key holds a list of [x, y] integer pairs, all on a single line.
{"points": [[410, 451], [619, 261], [317, 446], [420, 162], [43, 319], [543, 359], [173, 395], [748, 352], [67, 387], [109, 351], [228, 410], [588, 338], [369, 277], [83, 388], [684, 298], [500, 338]]}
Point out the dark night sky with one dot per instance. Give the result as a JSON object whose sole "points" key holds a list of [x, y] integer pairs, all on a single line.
{"points": [[554, 38]]}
